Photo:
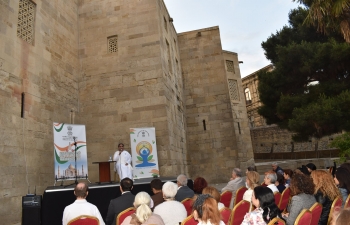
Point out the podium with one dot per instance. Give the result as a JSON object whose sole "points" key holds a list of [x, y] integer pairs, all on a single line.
{"points": [[104, 171]]}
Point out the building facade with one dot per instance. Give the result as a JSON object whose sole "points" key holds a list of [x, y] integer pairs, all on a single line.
{"points": [[114, 65]]}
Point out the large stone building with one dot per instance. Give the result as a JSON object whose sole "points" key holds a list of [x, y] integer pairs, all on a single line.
{"points": [[113, 65], [268, 139]]}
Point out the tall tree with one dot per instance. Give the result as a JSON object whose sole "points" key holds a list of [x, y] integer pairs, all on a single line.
{"points": [[329, 15], [307, 92]]}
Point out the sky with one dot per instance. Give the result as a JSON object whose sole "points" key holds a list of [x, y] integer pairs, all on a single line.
{"points": [[243, 24]]}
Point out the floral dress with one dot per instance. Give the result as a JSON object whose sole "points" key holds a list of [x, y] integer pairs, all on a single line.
{"points": [[254, 218]]}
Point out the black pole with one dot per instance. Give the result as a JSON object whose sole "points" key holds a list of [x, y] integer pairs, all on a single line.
{"points": [[22, 105]]}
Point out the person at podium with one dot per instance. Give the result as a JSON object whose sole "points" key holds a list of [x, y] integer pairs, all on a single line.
{"points": [[123, 162]]}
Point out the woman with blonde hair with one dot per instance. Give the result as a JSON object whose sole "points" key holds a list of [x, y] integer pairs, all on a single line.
{"points": [[325, 192], [215, 194], [143, 214], [252, 181]]}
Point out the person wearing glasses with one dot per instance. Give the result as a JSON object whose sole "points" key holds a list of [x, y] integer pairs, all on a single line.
{"points": [[123, 162]]}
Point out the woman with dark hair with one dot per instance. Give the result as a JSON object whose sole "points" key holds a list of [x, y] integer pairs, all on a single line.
{"points": [[302, 190], [199, 184], [280, 183], [250, 168], [325, 192], [266, 209], [342, 180], [205, 211], [288, 174], [310, 167]]}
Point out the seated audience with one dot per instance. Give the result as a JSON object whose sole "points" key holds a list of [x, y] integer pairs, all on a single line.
{"points": [[205, 210], [266, 208], [183, 191], [342, 180], [252, 181], [270, 180], [310, 167], [280, 183], [236, 181], [157, 198], [215, 194], [302, 190], [143, 214], [343, 218], [276, 168], [325, 192], [288, 174], [81, 206], [121, 203], [199, 184], [171, 211]]}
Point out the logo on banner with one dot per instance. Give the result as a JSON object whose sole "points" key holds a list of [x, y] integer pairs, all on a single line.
{"points": [[144, 151]]}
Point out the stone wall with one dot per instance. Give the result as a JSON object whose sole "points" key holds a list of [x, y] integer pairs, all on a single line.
{"points": [[134, 86], [211, 138], [46, 72]]}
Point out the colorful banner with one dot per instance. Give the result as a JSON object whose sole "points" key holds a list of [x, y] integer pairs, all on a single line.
{"points": [[144, 152], [70, 139]]}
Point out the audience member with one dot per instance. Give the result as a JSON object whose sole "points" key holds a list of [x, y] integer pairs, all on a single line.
{"points": [[302, 190], [121, 203], [325, 192], [342, 180], [343, 218], [215, 194], [183, 191], [303, 169], [288, 174], [143, 214], [236, 181], [157, 197], [280, 183], [266, 208], [205, 211], [81, 206], [276, 168], [199, 184], [250, 168], [171, 211], [270, 180], [252, 181], [310, 167]]}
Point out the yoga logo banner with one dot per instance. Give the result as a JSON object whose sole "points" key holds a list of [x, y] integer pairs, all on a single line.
{"points": [[144, 152], [65, 150]]}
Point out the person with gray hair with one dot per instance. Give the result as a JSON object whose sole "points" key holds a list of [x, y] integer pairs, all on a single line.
{"points": [[143, 214], [276, 168], [171, 211], [183, 190], [236, 182], [270, 180]]}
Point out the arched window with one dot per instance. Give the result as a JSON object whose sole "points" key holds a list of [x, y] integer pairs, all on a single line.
{"points": [[248, 97]]}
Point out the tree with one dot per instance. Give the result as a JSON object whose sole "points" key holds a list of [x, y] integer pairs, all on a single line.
{"points": [[329, 15], [342, 142], [307, 92]]}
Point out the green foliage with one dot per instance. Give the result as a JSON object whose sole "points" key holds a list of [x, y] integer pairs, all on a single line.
{"points": [[300, 55], [150, 157], [342, 142]]}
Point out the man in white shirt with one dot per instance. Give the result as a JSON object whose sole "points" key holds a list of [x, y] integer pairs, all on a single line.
{"points": [[123, 162], [81, 206]]}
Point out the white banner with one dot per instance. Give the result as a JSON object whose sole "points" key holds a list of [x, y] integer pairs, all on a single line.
{"points": [[144, 152], [65, 148]]}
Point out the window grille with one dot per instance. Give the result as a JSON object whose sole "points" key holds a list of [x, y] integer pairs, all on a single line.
{"points": [[113, 44], [229, 65], [233, 88], [26, 16]]}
